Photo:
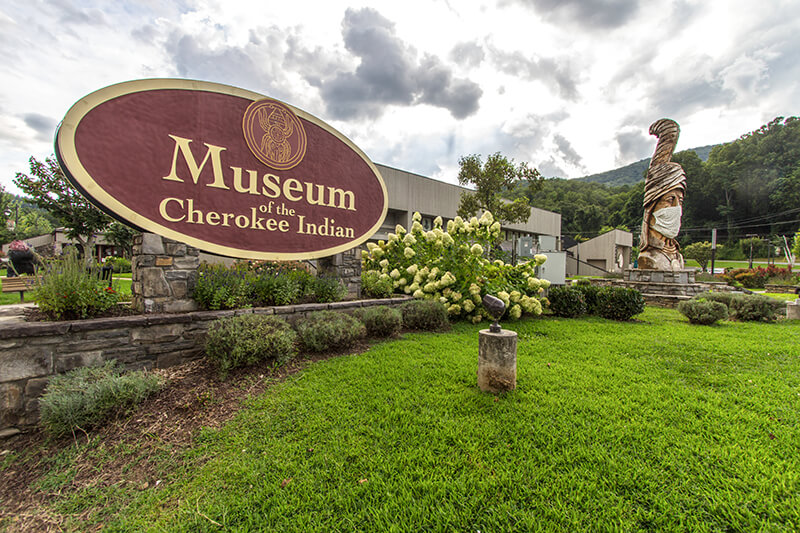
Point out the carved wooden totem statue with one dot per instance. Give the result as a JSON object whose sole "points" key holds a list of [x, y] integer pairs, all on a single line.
{"points": [[664, 189]]}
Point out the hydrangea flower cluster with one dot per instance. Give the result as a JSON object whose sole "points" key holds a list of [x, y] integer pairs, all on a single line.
{"points": [[450, 266]]}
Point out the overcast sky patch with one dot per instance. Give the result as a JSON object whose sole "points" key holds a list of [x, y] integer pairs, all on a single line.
{"points": [[389, 73], [589, 14], [570, 86]]}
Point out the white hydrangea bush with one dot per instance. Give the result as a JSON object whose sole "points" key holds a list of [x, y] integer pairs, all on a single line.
{"points": [[450, 266]]}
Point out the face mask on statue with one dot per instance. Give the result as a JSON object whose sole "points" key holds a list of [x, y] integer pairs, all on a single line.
{"points": [[667, 221]]}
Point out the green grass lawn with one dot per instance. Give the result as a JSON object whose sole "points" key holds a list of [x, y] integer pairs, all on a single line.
{"points": [[650, 425]]}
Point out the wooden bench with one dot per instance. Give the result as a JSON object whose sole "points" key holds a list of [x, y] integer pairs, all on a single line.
{"points": [[20, 284]]}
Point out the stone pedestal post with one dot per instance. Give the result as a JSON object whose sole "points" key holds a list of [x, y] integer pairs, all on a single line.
{"points": [[497, 361], [164, 273], [793, 310]]}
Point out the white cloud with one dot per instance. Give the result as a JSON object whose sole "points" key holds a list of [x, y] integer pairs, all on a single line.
{"points": [[569, 86]]}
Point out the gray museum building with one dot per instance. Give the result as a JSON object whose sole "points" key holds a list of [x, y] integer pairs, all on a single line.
{"points": [[409, 193]]}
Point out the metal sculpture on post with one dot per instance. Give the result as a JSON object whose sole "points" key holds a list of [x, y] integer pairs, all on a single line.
{"points": [[664, 189], [496, 308]]}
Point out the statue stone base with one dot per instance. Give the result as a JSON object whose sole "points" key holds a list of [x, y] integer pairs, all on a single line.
{"points": [[664, 287]]}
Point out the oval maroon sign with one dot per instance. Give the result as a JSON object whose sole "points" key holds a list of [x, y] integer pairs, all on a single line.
{"points": [[223, 169]]}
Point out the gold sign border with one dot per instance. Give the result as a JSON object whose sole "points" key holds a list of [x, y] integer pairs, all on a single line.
{"points": [[68, 157]]}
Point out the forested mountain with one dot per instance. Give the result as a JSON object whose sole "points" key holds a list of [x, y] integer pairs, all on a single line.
{"points": [[634, 173], [750, 186]]}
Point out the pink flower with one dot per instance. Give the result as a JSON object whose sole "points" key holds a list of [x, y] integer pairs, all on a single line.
{"points": [[18, 246]]}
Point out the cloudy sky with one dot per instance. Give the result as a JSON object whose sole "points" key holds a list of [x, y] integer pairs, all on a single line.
{"points": [[569, 86]]}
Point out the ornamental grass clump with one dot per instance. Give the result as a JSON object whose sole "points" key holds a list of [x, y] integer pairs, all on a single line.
{"points": [[220, 287], [381, 321], [324, 331], [451, 267], [86, 397], [328, 289], [244, 340], [275, 289], [69, 289], [702, 311]]}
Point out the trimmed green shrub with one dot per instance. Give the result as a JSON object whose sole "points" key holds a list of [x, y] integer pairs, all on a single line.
{"points": [[375, 286], [323, 331], [380, 321], [567, 302], [755, 308], [721, 297], [275, 289], [424, 315], [747, 307], [328, 289], [219, 287], [619, 303], [247, 339], [69, 290], [589, 297], [85, 397], [702, 311]]}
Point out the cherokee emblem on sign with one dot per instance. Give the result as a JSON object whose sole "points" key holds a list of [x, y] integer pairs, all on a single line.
{"points": [[274, 134]]}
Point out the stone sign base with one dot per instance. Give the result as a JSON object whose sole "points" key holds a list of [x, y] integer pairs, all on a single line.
{"points": [[347, 267], [164, 273]]}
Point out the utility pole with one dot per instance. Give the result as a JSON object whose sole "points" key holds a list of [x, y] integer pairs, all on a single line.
{"points": [[713, 248], [751, 236]]}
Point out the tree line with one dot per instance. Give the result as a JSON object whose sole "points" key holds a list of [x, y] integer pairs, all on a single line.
{"points": [[747, 188]]}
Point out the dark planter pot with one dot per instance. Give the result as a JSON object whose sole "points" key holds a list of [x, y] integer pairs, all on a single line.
{"points": [[23, 262]]}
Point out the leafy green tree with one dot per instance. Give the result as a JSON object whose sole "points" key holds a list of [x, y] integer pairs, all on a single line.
{"points": [[752, 177], [607, 228], [121, 236], [700, 252], [757, 244], [785, 195], [49, 189], [490, 180], [32, 223]]}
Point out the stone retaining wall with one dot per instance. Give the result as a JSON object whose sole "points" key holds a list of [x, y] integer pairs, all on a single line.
{"points": [[782, 289], [30, 353], [664, 293]]}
